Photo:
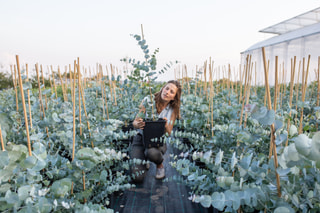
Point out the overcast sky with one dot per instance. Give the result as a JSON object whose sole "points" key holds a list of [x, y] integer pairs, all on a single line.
{"points": [[98, 31]]}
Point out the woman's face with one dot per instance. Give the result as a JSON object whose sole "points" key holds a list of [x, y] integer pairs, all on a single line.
{"points": [[169, 91]]}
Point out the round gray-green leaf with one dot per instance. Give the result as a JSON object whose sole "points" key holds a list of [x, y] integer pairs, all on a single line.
{"points": [[4, 159], [284, 209], [218, 200]]}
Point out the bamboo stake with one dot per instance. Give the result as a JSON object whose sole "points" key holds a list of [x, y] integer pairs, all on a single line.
{"points": [[255, 78], [284, 84], [293, 67], [272, 125], [313, 85], [28, 93], [44, 87], [85, 113], [50, 81], [304, 87], [275, 85], [276, 89], [265, 94], [71, 82], [211, 95], [229, 82], [40, 94], [74, 111], [79, 97], [15, 86], [297, 87], [248, 90], [79, 91], [62, 85], [1, 138], [241, 80], [245, 90], [24, 106], [54, 83], [232, 82], [318, 91], [65, 77], [185, 68], [114, 87], [205, 79], [102, 95]]}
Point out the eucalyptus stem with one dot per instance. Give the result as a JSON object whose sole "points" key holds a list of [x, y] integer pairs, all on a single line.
{"points": [[152, 108]]}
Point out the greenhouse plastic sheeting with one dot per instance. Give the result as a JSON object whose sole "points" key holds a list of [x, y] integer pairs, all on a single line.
{"points": [[157, 196], [299, 43]]}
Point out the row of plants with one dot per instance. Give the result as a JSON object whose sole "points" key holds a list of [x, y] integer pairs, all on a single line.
{"points": [[232, 169], [80, 138]]}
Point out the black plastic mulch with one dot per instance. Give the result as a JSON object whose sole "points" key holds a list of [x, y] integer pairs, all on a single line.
{"points": [[157, 196]]}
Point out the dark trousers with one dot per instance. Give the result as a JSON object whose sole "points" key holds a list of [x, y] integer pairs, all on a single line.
{"points": [[138, 151]]}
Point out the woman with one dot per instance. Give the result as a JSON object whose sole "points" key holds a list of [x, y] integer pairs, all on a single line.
{"points": [[167, 102]]}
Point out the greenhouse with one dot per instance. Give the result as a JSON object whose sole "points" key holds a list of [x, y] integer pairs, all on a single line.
{"points": [[298, 36]]}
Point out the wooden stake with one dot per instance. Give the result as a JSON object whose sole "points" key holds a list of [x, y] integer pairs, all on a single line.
{"points": [[1, 138], [275, 97], [205, 79], [304, 87], [245, 90], [74, 112], [44, 87], [272, 125], [275, 85], [62, 86], [297, 87], [293, 67], [248, 87], [28, 93], [40, 94], [24, 106], [79, 97], [54, 83], [318, 91], [50, 81], [15, 86]]}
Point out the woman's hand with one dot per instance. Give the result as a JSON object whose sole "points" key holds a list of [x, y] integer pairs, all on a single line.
{"points": [[138, 123]]}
